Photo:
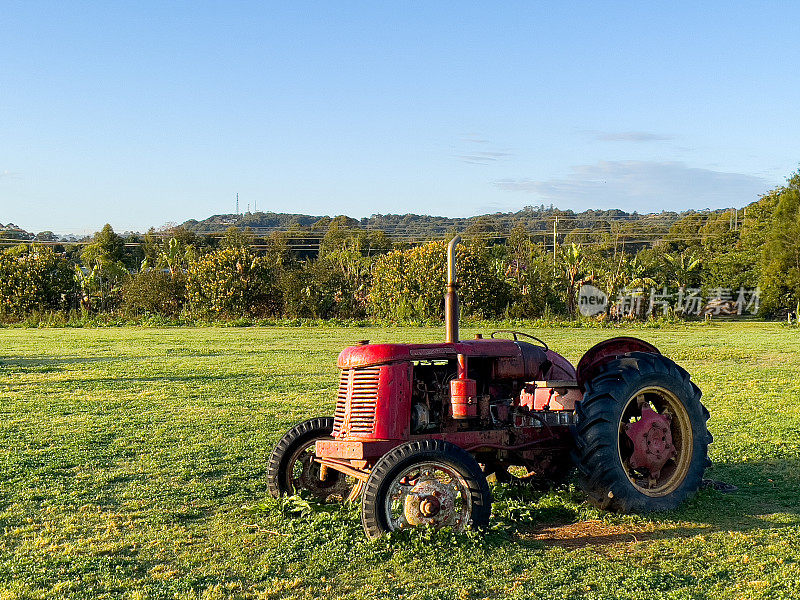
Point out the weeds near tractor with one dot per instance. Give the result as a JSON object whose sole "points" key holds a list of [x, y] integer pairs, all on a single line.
{"points": [[133, 465]]}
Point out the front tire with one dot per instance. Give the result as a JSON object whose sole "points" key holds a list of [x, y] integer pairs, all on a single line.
{"points": [[425, 483], [641, 437], [291, 467]]}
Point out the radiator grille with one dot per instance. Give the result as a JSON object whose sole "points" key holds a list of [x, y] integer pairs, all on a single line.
{"points": [[355, 403]]}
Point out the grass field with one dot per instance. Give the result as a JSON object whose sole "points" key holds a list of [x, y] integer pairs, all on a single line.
{"points": [[133, 466]]}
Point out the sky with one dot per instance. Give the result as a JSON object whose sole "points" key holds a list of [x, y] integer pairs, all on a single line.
{"points": [[147, 113]]}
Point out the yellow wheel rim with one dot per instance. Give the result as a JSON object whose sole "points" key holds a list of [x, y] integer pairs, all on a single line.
{"points": [[674, 471]]}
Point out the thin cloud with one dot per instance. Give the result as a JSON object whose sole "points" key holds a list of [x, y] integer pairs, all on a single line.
{"points": [[637, 137], [483, 158], [473, 138], [643, 186], [469, 153]]}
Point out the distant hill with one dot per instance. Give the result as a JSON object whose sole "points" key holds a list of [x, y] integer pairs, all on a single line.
{"points": [[412, 226], [266, 221], [537, 221]]}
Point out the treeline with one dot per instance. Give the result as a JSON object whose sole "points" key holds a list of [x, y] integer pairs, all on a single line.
{"points": [[541, 222], [506, 269]]}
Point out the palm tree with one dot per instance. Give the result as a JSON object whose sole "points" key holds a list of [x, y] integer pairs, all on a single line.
{"points": [[681, 266], [636, 278], [572, 258]]}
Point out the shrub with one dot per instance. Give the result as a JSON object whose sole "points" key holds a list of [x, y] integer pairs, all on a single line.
{"points": [[410, 284], [34, 279], [232, 282], [154, 292]]}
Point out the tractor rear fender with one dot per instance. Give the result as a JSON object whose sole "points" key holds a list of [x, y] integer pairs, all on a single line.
{"points": [[606, 351]]}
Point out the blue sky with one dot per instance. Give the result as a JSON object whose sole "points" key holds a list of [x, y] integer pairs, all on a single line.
{"points": [[144, 113]]}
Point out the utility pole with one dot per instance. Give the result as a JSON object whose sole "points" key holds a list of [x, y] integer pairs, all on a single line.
{"points": [[555, 242], [237, 203]]}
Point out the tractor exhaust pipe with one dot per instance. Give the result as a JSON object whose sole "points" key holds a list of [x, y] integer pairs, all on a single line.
{"points": [[451, 313]]}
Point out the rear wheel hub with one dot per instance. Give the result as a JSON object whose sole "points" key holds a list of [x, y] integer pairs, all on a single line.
{"points": [[655, 441], [652, 441]]}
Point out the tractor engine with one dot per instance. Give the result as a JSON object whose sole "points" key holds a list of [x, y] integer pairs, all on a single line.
{"points": [[393, 391], [497, 398]]}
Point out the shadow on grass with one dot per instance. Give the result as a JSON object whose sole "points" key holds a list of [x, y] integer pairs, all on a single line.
{"points": [[38, 366], [47, 364], [50, 363], [768, 498]]}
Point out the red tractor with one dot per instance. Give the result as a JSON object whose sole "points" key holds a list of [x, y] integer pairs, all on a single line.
{"points": [[418, 428]]}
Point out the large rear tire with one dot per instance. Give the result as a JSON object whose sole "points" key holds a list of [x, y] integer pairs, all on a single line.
{"points": [[425, 483], [640, 434]]}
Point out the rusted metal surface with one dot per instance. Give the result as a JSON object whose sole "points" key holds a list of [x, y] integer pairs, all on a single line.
{"points": [[451, 311], [354, 449], [652, 441], [374, 403], [560, 368], [605, 352], [464, 398], [429, 493], [530, 362], [516, 360], [467, 439], [463, 393], [343, 467], [356, 401], [430, 502], [378, 354], [550, 395]]}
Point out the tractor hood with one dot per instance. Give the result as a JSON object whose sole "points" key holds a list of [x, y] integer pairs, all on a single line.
{"points": [[375, 354], [515, 359]]}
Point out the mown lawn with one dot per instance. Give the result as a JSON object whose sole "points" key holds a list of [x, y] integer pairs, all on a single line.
{"points": [[133, 462]]}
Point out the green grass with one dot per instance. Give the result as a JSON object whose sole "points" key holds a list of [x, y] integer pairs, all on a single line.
{"points": [[133, 466]]}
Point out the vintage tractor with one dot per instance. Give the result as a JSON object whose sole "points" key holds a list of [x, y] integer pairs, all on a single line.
{"points": [[418, 428]]}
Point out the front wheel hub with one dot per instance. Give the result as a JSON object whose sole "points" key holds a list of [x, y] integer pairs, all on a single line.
{"points": [[430, 502], [429, 506]]}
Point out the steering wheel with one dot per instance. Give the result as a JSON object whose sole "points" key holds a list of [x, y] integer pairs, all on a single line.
{"points": [[516, 335]]}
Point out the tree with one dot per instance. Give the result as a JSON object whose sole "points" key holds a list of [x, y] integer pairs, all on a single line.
{"points": [[529, 274], [150, 249], [103, 272], [237, 238], [780, 272], [572, 262], [153, 292], [109, 243], [485, 228], [637, 275], [612, 276], [681, 266]]}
